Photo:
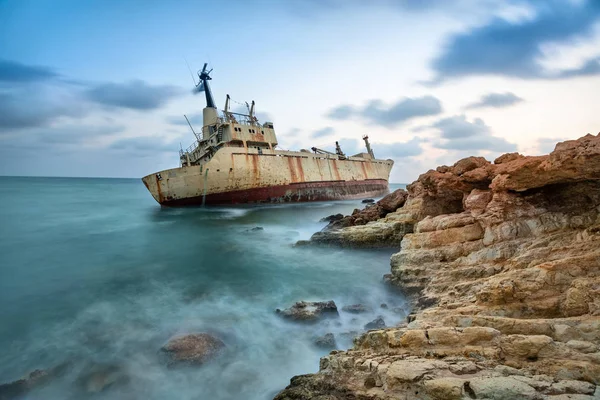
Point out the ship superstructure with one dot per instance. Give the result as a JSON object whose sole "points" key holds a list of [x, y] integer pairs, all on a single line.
{"points": [[235, 160]]}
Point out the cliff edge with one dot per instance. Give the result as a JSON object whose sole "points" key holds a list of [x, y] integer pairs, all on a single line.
{"points": [[501, 262]]}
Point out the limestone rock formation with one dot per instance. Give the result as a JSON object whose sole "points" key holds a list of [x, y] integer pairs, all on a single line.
{"points": [[309, 311], [502, 266], [370, 232], [194, 349]]}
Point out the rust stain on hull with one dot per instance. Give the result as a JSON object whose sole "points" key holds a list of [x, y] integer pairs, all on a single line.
{"points": [[299, 192], [300, 169], [293, 175], [336, 171], [159, 190]]}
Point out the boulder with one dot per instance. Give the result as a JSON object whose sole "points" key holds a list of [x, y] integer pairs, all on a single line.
{"points": [[393, 201], [377, 323], [196, 349], [326, 341], [309, 311]]}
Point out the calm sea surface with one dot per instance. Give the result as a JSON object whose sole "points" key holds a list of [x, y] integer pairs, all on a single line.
{"points": [[95, 274]]}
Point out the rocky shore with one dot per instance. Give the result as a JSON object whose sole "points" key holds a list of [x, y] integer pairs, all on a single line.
{"points": [[501, 262]]}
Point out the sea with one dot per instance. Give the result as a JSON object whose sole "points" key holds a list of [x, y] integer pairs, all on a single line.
{"points": [[95, 277]]}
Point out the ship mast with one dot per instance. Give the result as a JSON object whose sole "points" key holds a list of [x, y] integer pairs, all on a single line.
{"points": [[203, 86]]}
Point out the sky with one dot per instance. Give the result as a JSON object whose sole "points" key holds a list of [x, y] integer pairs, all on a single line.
{"points": [[99, 88]]}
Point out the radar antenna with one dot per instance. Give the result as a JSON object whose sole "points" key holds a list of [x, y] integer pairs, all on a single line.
{"points": [[203, 86]]}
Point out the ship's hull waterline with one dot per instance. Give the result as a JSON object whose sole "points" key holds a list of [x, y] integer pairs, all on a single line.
{"points": [[239, 175]]}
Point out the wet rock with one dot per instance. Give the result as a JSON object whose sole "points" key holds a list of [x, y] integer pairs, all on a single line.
{"points": [[383, 305], [377, 323], [367, 201], [356, 309], [195, 349], [35, 379], [309, 311], [332, 218], [98, 378], [326, 341], [255, 229]]}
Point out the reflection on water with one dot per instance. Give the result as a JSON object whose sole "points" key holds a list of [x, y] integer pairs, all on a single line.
{"points": [[95, 275]]}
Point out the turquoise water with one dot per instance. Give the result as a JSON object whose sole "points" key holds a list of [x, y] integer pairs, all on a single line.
{"points": [[94, 273]]}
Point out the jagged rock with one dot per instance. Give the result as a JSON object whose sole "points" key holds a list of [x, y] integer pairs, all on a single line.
{"points": [[393, 201], [331, 218], [356, 309], [339, 231], [502, 269], [377, 323], [326, 341], [309, 311], [195, 349]]}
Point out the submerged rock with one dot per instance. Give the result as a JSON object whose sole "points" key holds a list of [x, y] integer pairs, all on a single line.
{"points": [[377, 323], [309, 311], [35, 379], [356, 309], [195, 349], [255, 229], [367, 201], [98, 378], [326, 341]]}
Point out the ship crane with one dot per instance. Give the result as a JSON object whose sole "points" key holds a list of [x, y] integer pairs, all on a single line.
{"points": [[338, 151], [321, 151]]}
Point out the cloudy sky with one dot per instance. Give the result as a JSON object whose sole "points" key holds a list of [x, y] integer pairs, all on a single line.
{"points": [[99, 87]]}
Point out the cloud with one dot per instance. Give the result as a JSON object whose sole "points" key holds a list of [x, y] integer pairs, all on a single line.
{"points": [[497, 100], [12, 71], [513, 49], [547, 145], [376, 112], [35, 96], [341, 112], [458, 127], [398, 150], [488, 142], [394, 150], [459, 134], [195, 119], [589, 68], [34, 106], [326, 131], [145, 145], [136, 95], [56, 139]]}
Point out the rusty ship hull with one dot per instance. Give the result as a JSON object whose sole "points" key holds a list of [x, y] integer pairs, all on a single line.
{"points": [[244, 175]]}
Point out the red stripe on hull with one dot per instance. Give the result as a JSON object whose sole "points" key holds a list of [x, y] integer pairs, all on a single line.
{"points": [[297, 192]]}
